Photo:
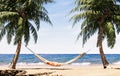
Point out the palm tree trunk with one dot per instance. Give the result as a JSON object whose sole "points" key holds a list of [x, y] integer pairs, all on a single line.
{"points": [[104, 60], [14, 61]]}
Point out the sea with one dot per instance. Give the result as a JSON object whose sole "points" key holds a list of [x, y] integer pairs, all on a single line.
{"points": [[88, 59]]}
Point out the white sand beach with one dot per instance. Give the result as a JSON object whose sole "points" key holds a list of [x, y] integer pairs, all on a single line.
{"points": [[69, 70]]}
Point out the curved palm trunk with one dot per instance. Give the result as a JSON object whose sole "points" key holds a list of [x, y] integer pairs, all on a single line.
{"points": [[104, 60], [14, 61]]}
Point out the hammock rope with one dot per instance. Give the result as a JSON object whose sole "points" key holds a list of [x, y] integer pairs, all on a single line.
{"points": [[57, 63]]}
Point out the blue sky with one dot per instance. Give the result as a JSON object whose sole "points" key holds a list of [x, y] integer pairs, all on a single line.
{"points": [[61, 37]]}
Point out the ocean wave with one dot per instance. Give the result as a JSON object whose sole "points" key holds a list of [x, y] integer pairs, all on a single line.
{"points": [[116, 63], [88, 59]]}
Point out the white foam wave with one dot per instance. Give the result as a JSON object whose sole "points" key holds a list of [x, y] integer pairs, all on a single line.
{"points": [[85, 63], [36, 63], [116, 63], [24, 63], [39, 63]]}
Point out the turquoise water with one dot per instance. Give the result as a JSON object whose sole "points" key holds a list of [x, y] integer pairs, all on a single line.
{"points": [[88, 59]]}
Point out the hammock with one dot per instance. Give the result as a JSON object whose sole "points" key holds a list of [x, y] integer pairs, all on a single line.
{"points": [[56, 63]]}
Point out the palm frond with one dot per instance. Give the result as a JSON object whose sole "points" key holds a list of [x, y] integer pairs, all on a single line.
{"points": [[26, 33], [110, 33], [94, 13], [18, 14], [7, 16], [10, 31], [33, 31], [2, 33]]}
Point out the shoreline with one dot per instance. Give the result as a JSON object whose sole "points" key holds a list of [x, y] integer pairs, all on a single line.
{"points": [[69, 70]]}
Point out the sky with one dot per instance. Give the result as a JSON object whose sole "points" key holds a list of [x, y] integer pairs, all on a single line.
{"points": [[61, 37]]}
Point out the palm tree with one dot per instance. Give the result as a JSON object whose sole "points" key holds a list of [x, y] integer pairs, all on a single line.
{"points": [[18, 17], [102, 16]]}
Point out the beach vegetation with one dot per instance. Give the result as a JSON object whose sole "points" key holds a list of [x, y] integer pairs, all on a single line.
{"points": [[101, 17], [21, 21]]}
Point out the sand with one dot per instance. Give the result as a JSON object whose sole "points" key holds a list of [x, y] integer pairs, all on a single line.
{"points": [[69, 70]]}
